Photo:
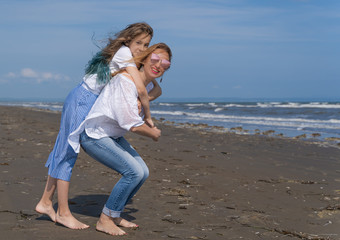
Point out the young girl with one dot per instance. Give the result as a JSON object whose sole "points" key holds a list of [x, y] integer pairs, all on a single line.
{"points": [[129, 42]]}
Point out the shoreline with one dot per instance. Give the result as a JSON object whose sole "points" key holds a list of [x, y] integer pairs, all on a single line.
{"points": [[202, 185], [238, 126], [313, 138]]}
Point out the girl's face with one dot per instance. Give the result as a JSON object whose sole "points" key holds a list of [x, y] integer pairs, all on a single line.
{"points": [[156, 64], [139, 44]]}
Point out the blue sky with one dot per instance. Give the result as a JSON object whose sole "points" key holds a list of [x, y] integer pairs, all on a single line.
{"points": [[222, 48]]}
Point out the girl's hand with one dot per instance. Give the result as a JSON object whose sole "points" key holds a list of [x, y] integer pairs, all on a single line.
{"points": [[149, 122], [157, 134]]}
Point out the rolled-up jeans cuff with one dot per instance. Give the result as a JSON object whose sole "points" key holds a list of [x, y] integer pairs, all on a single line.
{"points": [[111, 213]]}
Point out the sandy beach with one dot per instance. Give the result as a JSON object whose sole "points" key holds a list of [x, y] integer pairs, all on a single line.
{"points": [[202, 185]]}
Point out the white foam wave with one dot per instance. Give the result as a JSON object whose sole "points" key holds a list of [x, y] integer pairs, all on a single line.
{"points": [[213, 104], [167, 104], [299, 105], [261, 105], [239, 105], [269, 121], [218, 109], [195, 104], [285, 105], [43, 105]]}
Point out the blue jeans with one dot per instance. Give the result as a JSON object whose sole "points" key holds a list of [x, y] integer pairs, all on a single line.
{"points": [[119, 155]]}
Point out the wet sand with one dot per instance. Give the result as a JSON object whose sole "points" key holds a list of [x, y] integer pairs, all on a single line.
{"points": [[202, 185]]}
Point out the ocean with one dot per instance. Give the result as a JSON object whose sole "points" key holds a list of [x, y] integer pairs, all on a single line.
{"points": [[319, 120]]}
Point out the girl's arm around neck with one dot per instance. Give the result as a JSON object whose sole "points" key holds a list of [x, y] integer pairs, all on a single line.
{"points": [[142, 93]]}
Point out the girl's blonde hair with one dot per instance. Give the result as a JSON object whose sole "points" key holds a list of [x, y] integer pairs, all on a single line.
{"points": [[124, 37], [99, 64]]}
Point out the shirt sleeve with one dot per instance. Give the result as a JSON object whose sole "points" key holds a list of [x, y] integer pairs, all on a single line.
{"points": [[124, 105], [122, 59]]}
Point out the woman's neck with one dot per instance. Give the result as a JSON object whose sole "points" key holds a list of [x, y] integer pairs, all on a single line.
{"points": [[144, 78]]}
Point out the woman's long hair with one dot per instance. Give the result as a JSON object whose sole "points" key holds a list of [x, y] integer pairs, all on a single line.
{"points": [[99, 64], [139, 60]]}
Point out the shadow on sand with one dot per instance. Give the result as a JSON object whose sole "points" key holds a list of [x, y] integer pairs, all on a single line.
{"points": [[91, 205]]}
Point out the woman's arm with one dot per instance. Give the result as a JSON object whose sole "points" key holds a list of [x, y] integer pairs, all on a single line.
{"points": [[156, 91], [145, 130]]}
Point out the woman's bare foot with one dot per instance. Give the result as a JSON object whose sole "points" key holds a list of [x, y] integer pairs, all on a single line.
{"points": [[105, 224], [47, 209], [69, 221], [124, 223]]}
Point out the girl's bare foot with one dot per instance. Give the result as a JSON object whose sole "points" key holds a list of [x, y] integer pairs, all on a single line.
{"points": [[69, 221], [105, 224], [47, 209], [124, 223]]}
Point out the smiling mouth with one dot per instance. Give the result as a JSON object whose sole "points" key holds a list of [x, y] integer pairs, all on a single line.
{"points": [[154, 70]]}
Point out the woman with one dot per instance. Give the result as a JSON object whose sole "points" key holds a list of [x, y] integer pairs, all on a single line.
{"points": [[101, 135]]}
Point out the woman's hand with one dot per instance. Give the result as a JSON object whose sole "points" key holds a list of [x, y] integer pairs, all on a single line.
{"points": [[147, 131], [157, 134]]}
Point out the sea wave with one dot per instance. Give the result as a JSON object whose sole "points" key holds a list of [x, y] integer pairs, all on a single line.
{"points": [[272, 121], [54, 106], [324, 105], [167, 104], [299, 105]]}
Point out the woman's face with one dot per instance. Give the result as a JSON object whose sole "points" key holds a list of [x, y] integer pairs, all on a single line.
{"points": [[156, 65], [139, 44]]}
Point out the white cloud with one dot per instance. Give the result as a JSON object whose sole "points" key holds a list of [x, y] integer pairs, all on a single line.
{"points": [[47, 75], [30, 75], [10, 75]]}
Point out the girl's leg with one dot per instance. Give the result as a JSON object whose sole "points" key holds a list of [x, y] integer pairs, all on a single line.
{"points": [[64, 215], [45, 204]]}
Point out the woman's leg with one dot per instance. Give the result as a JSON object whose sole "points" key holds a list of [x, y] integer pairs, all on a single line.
{"points": [[109, 152], [126, 145]]}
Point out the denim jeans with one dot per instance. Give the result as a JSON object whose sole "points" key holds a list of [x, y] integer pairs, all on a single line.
{"points": [[119, 155]]}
